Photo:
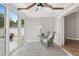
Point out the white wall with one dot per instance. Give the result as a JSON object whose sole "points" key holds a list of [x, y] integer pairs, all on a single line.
{"points": [[72, 26], [59, 28], [33, 26]]}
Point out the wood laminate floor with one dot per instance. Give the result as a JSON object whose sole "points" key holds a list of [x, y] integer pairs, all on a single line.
{"points": [[72, 46]]}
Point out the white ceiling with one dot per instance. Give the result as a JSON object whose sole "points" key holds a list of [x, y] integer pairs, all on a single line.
{"points": [[42, 12]]}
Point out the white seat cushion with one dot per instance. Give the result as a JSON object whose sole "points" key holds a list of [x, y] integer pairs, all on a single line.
{"points": [[45, 40]]}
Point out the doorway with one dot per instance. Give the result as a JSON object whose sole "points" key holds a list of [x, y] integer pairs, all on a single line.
{"points": [[71, 33]]}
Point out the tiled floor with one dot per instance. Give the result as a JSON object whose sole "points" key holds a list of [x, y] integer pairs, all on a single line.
{"points": [[36, 49]]}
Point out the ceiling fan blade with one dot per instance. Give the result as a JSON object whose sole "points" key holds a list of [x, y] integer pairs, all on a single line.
{"points": [[21, 8], [58, 8], [54, 8], [27, 7], [47, 5]]}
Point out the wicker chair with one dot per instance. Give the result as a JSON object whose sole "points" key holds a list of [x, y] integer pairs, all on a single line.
{"points": [[48, 41]]}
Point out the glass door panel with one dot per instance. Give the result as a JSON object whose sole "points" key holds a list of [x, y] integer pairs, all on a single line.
{"points": [[2, 30], [13, 31], [22, 31]]}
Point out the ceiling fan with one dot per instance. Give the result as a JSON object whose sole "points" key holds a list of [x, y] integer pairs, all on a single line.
{"points": [[41, 5]]}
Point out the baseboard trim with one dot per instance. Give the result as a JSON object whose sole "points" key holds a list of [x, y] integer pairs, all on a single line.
{"points": [[65, 50], [71, 38], [32, 40]]}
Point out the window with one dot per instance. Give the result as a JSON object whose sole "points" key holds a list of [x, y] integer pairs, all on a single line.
{"points": [[13, 31], [22, 30], [2, 30]]}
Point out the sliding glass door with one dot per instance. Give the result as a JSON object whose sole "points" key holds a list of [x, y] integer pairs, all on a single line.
{"points": [[13, 31], [2, 30], [10, 39]]}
